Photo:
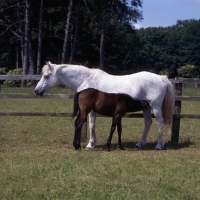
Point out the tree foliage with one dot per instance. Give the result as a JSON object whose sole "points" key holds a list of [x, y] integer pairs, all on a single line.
{"points": [[70, 32], [171, 47], [97, 34]]}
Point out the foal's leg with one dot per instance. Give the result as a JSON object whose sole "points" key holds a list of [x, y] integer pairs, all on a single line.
{"points": [[159, 118], [116, 121], [92, 140], [147, 124], [78, 126], [112, 130], [76, 142], [119, 130]]}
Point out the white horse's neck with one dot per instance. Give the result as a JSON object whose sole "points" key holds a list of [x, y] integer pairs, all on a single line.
{"points": [[73, 76]]}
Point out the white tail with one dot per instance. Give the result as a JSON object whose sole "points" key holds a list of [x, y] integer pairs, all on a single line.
{"points": [[168, 104]]}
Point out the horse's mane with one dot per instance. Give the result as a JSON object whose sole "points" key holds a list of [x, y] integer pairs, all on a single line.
{"points": [[46, 69]]}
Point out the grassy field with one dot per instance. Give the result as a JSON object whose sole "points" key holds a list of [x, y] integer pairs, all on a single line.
{"points": [[38, 161]]}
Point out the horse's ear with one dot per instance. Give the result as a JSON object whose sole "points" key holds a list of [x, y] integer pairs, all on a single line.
{"points": [[50, 65]]}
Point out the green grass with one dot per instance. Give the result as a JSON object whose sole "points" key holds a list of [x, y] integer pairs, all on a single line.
{"points": [[38, 161]]}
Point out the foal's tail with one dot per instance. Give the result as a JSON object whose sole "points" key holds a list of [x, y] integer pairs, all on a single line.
{"points": [[168, 104], [76, 106]]}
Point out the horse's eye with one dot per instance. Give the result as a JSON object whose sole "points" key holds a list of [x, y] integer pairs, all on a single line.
{"points": [[46, 76]]}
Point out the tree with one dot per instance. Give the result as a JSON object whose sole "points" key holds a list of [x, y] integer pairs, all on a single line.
{"points": [[39, 53], [26, 41], [65, 47], [108, 12]]}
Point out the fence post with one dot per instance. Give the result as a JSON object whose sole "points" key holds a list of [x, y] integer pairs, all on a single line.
{"points": [[84, 132], [177, 112]]}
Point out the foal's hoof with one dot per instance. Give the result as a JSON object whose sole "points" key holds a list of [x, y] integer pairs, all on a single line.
{"points": [[108, 149], [122, 148]]}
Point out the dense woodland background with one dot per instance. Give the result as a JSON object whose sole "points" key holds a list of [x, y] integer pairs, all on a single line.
{"points": [[97, 34]]}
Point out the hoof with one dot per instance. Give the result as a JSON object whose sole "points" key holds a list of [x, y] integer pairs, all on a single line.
{"points": [[88, 148], [108, 147], [137, 148], [122, 148], [158, 149]]}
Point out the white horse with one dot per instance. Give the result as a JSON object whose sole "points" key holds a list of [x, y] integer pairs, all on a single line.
{"points": [[155, 89]]}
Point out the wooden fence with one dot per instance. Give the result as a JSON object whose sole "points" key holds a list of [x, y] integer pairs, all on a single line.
{"points": [[178, 84]]}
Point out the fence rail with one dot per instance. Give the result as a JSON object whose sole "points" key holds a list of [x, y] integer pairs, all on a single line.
{"points": [[178, 83], [19, 77], [46, 96], [71, 96]]}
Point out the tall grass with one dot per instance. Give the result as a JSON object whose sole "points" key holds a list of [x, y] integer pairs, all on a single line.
{"points": [[38, 161]]}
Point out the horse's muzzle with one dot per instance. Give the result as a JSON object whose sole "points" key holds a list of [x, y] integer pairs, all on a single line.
{"points": [[39, 93]]}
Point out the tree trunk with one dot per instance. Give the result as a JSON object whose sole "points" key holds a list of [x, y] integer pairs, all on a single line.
{"points": [[32, 64], [26, 41], [40, 38], [21, 30], [17, 56], [74, 43], [69, 13], [102, 42]]}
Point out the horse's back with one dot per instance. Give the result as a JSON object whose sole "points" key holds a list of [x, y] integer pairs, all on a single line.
{"points": [[142, 85]]}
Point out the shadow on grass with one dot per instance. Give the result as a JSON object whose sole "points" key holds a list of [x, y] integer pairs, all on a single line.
{"points": [[149, 146]]}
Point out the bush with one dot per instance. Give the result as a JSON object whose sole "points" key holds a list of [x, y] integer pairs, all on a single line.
{"points": [[188, 71], [2, 72], [165, 71], [13, 83]]}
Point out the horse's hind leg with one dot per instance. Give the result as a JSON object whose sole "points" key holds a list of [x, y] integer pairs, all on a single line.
{"points": [[159, 118], [147, 124], [92, 140]]}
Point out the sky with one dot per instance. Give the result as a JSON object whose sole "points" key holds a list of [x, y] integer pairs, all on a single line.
{"points": [[166, 12]]}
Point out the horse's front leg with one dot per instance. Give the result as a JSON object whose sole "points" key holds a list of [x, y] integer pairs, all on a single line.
{"points": [[92, 140], [147, 124]]}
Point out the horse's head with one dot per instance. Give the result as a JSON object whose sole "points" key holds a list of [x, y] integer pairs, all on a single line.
{"points": [[48, 79]]}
